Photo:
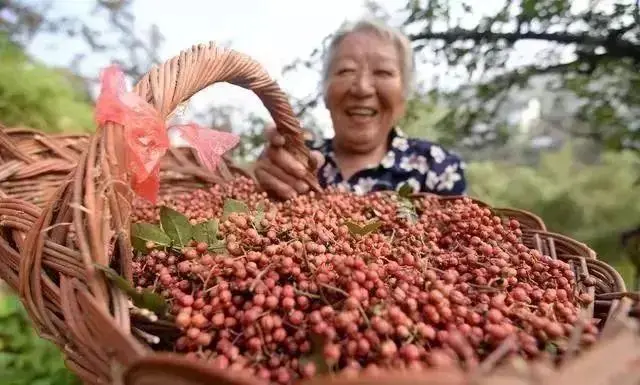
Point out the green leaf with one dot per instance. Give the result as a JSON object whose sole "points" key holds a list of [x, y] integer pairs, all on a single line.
{"points": [[9, 305], [206, 232], [141, 233], [259, 216], [176, 226], [377, 309], [551, 348], [355, 229], [372, 226], [120, 282], [407, 210], [233, 206], [405, 190], [151, 301], [145, 300]]}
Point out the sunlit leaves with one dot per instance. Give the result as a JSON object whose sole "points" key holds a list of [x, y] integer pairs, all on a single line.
{"points": [[34, 95]]}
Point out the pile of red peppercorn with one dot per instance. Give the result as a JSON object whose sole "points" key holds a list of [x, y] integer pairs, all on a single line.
{"points": [[342, 283]]}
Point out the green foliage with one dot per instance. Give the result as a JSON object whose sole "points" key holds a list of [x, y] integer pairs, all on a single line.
{"points": [[582, 59], [141, 233], [206, 232], [146, 299], [25, 358], [421, 118], [362, 230], [34, 95], [231, 206], [40, 97], [591, 60], [405, 207], [176, 226], [591, 203]]}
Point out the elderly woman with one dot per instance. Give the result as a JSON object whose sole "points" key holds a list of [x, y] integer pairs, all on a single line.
{"points": [[367, 77]]}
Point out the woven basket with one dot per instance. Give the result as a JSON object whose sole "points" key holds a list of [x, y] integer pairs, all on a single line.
{"points": [[48, 253], [89, 214], [35, 164]]}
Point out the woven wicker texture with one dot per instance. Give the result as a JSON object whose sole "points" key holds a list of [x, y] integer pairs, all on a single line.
{"points": [[48, 253], [88, 218], [35, 164]]}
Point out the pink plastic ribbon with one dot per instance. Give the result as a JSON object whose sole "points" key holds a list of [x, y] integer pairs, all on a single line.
{"points": [[146, 134]]}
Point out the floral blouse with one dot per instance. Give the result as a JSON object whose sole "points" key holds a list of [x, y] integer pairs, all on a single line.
{"points": [[425, 166]]}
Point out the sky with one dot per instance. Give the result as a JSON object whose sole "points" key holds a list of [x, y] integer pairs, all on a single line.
{"points": [[274, 32]]}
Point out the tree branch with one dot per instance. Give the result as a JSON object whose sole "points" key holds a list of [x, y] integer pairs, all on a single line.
{"points": [[616, 47], [628, 235]]}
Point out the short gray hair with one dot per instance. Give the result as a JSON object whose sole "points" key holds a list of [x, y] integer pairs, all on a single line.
{"points": [[399, 39]]}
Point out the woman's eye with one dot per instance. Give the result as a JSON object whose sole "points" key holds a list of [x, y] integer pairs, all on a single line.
{"points": [[344, 71], [383, 72]]}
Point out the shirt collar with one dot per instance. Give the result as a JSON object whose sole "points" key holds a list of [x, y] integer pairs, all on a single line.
{"points": [[397, 131]]}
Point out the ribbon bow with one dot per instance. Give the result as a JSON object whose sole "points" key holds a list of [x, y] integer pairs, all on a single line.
{"points": [[146, 134]]}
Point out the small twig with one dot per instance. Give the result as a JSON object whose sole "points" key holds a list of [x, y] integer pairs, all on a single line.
{"points": [[258, 277], [306, 260], [264, 345], [574, 339], [237, 338], [145, 313], [364, 314], [492, 359], [149, 338], [207, 290], [80, 207], [46, 229], [310, 295], [484, 288], [155, 282]]}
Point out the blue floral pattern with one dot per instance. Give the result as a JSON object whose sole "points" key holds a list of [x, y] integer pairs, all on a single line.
{"points": [[425, 166]]}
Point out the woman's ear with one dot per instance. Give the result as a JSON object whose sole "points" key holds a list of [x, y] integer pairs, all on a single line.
{"points": [[324, 97]]}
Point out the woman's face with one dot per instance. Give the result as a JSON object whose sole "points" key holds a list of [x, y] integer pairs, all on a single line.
{"points": [[365, 93]]}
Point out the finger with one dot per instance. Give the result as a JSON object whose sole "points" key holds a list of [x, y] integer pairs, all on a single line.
{"points": [[273, 136], [319, 158], [274, 186], [273, 139], [286, 161], [298, 184], [274, 170]]}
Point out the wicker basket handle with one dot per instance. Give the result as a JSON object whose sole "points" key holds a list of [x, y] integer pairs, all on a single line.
{"points": [[179, 78]]}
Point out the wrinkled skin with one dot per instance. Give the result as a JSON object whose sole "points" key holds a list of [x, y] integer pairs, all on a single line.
{"points": [[365, 97]]}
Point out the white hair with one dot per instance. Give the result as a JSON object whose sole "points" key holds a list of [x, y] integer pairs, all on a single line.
{"points": [[402, 43]]}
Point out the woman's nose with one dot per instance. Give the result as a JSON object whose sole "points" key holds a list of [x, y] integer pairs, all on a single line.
{"points": [[363, 85]]}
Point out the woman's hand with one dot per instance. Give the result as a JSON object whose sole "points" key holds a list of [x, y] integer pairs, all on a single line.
{"points": [[278, 172]]}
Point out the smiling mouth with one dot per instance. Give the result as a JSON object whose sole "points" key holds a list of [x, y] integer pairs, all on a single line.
{"points": [[361, 112]]}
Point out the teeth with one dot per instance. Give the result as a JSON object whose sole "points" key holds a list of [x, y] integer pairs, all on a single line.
{"points": [[363, 111]]}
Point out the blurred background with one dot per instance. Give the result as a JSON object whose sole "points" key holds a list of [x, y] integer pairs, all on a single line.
{"points": [[540, 97]]}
